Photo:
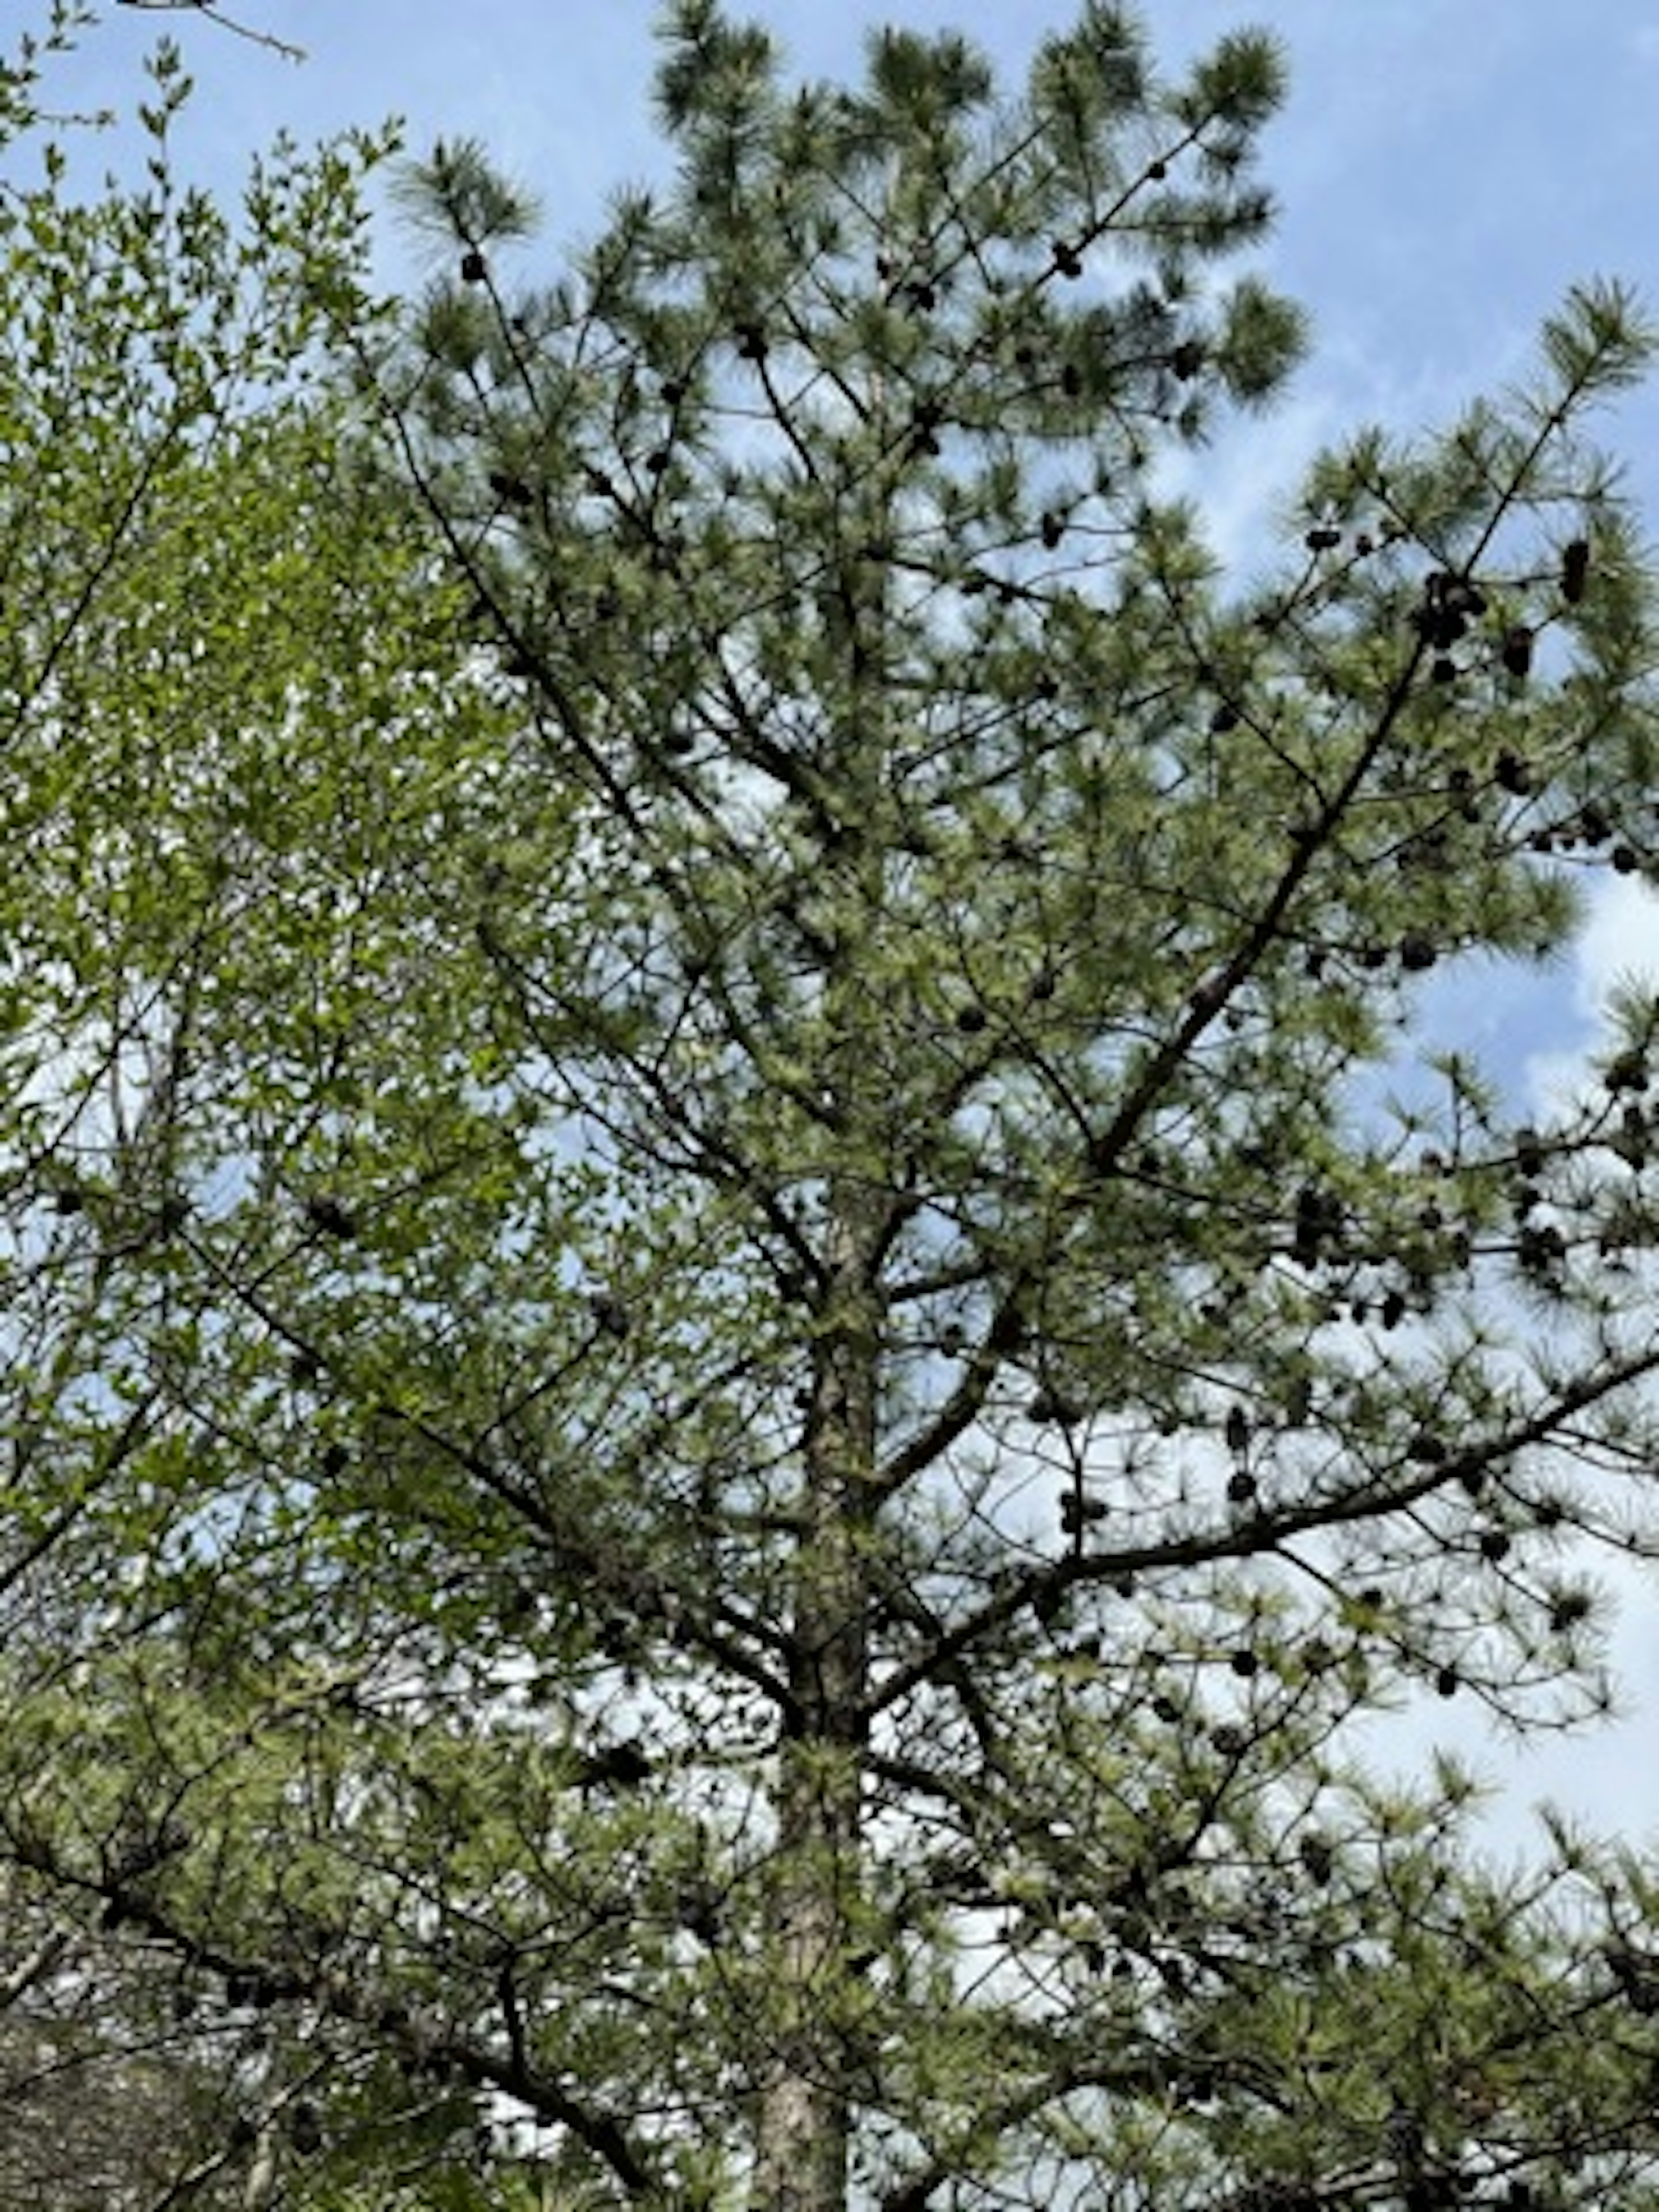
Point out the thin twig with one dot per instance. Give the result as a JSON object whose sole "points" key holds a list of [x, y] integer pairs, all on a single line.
{"points": [[283, 46]]}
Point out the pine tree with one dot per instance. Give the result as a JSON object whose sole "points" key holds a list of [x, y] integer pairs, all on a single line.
{"points": [[804, 1373]]}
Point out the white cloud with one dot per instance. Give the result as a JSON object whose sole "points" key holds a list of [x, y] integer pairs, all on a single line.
{"points": [[1618, 944]]}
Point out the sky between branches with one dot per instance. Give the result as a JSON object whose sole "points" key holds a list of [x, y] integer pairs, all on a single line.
{"points": [[1445, 169]]}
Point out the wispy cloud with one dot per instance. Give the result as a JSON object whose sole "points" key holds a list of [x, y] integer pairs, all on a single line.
{"points": [[1617, 946]]}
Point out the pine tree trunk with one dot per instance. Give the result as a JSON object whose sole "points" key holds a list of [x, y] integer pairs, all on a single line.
{"points": [[807, 2104]]}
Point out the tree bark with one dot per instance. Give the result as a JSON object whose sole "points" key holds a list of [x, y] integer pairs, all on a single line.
{"points": [[806, 2106]]}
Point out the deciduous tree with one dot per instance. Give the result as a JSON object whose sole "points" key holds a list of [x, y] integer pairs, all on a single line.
{"points": [[192, 569]]}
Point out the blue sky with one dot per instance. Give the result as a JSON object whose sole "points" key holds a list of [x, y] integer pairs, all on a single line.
{"points": [[1444, 172]]}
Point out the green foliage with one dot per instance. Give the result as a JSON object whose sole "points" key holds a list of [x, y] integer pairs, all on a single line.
{"points": [[705, 1252]]}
